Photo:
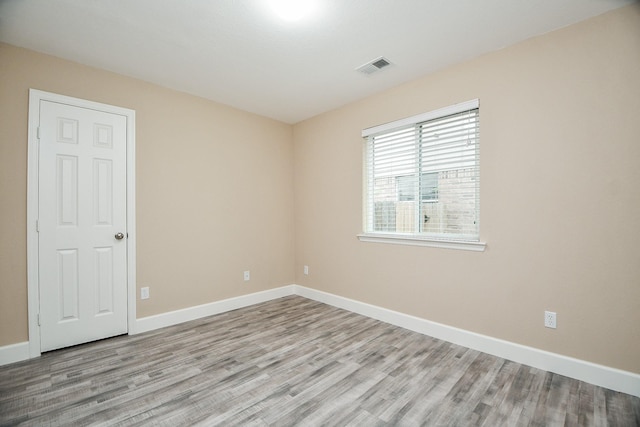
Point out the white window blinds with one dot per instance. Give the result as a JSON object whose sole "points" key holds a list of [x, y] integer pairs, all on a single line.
{"points": [[423, 175]]}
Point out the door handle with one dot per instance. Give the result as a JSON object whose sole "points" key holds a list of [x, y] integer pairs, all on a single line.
{"points": [[119, 236]]}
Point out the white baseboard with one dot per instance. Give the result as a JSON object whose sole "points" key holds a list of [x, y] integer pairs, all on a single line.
{"points": [[14, 353], [18, 352], [192, 313], [600, 375], [604, 376]]}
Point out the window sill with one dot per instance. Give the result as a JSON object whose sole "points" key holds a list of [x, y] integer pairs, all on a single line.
{"points": [[398, 239]]}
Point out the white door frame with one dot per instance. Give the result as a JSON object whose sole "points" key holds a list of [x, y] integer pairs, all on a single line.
{"points": [[35, 97]]}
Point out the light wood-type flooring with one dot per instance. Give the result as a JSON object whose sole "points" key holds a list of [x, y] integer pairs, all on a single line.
{"points": [[293, 361]]}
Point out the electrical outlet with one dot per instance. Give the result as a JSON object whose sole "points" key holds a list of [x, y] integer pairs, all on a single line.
{"points": [[144, 293], [550, 319], [247, 276], [306, 270]]}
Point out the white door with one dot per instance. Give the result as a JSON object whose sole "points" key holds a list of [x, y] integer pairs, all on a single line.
{"points": [[82, 227]]}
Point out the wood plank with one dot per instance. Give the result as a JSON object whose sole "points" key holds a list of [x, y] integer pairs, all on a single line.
{"points": [[294, 361]]}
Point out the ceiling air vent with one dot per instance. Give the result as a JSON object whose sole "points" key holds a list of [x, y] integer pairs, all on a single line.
{"points": [[373, 66]]}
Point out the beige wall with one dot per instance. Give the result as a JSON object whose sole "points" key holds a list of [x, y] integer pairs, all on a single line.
{"points": [[214, 189], [560, 197]]}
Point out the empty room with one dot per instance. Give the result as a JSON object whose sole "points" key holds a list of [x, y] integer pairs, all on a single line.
{"points": [[320, 212]]}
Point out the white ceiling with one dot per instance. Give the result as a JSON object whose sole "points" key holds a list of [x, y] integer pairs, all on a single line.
{"points": [[239, 53]]}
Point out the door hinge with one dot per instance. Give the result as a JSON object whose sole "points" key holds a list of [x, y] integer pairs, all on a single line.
{"points": [[38, 132], [37, 226], [38, 319]]}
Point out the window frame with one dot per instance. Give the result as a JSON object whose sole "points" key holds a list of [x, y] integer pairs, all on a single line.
{"points": [[414, 239]]}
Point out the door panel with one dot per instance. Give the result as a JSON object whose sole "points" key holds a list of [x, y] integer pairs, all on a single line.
{"points": [[68, 282], [82, 205], [102, 191], [103, 274]]}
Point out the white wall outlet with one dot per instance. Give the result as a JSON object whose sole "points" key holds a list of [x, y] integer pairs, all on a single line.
{"points": [[247, 276], [144, 293], [550, 319], [306, 270]]}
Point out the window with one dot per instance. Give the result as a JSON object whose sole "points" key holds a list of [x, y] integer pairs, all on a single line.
{"points": [[428, 187], [422, 178]]}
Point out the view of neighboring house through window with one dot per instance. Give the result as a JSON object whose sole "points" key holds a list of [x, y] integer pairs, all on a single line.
{"points": [[422, 175], [428, 187]]}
